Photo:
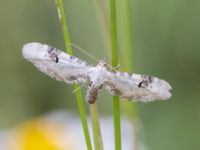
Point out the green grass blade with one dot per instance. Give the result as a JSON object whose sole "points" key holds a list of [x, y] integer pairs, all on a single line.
{"points": [[83, 117], [126, 43], [98, 143], [126, 62], [116, 104], [61, 14]]}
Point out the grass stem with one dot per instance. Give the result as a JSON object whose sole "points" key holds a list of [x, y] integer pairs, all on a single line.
{"points": [[126, 43], [98, 143], [63, 21], [116, 104]]}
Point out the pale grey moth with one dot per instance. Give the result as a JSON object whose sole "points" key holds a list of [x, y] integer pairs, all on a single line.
{"points": [[63, 67]]}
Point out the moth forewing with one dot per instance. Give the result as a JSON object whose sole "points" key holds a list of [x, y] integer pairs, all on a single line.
{"points": [[55, 63], [138, 87]]}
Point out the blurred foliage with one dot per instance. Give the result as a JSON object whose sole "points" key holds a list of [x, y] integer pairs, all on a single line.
{"points": [[166, 39]]}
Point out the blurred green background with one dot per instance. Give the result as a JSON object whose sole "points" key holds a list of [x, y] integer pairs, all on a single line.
{"points": [[166, 44]]}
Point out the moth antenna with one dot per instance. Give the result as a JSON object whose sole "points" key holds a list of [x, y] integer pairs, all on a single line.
{"points": [[84, 51], [93, 57], [115, 68]]}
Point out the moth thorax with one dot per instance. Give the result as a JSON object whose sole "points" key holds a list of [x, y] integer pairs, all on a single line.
{"points": [[102, 63]]}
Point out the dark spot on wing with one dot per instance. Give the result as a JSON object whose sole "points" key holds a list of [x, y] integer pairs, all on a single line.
{"points": [[130, 74], [147, 78], [53, 53], [143, 84], [79, 61], [146, 81], [77, 77], [113, 89], [135, 97], [56, 59], [90, 83], [116, 91], [101, 86], [72, 77], [150, 79], [71, 57]]}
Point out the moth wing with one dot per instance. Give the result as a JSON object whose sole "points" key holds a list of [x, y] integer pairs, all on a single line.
{"points": [[55, 63], [137, 87]]}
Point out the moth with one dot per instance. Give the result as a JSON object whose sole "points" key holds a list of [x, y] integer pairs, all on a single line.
{"points": [[64, 67]]}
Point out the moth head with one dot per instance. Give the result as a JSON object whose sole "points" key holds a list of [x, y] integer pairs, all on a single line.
{"points": [[102, 62]]}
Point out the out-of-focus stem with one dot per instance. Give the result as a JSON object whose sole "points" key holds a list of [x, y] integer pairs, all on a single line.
{"points": [[98, 143], [63, 21]]}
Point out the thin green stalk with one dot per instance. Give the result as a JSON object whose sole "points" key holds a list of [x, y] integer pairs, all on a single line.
{"points": [[98, 143], [83, 117], [126, 43], [61, 14], [116, 104]]}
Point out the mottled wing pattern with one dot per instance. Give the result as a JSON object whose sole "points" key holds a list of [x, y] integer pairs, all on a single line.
{"points": [[56, 63], [138, 87], [69, 69]]}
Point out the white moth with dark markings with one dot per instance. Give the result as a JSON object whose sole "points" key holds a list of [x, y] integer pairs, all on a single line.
{"points": [[72, 70]]}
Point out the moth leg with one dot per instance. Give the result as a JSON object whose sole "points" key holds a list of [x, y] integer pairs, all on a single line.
{"points": [[93, 92]]}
